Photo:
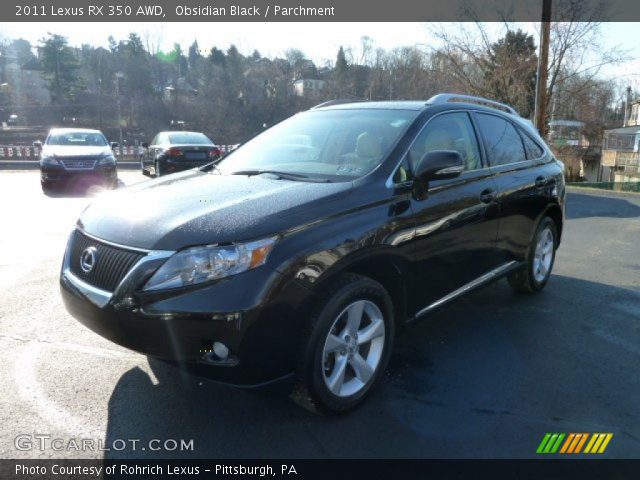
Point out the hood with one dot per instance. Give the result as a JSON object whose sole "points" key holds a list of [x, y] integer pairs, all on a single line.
{"points": [[197, 208], [74, 151]]}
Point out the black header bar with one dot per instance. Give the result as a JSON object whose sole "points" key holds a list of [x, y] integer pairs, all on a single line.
{"points": [[314, 10]]}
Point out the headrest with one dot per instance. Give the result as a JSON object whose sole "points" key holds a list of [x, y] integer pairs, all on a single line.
{"points": [[368, 146], [438, 140]]}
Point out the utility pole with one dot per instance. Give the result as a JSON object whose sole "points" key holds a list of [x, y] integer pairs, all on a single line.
{"points": [[543, 62], [119, 75]]}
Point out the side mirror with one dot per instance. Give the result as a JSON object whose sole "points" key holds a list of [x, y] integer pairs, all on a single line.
{"points": [[114, 144], [145, 145], [439, 165], [37, 144]]}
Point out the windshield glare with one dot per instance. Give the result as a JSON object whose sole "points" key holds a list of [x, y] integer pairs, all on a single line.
{"points": [[329, 144], [81, 139]]}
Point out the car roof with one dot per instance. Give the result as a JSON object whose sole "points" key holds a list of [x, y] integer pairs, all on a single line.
{"points": [[186, 132], [418, 105], [386, 105], [74, 130]]}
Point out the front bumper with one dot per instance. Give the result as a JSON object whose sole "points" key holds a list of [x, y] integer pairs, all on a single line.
{"points": [[253, 314], [50, 174]]}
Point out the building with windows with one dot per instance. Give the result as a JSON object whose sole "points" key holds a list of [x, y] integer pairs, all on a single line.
{"points": [[308, 87], [621, 147], [633, 114]]}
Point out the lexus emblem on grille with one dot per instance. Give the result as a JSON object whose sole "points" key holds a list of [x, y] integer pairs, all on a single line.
{"points": [[88, 259]]}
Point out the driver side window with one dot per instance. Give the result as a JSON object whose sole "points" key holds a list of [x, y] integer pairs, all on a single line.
{"points": [[449, 131]]}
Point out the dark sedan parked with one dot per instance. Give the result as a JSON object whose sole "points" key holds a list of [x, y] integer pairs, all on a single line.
{"points": [[72, 153], [303, 251], [171, 152]]}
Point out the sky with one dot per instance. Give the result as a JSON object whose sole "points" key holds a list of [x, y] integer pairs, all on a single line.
{"points": [[319, 41]]}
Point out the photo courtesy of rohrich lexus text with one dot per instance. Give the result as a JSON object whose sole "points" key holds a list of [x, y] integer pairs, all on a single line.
{"points": [[320, 240]]}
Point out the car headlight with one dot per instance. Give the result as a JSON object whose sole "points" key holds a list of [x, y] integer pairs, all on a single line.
{"points": [[201, 264], [48, 160], [108, 159]]}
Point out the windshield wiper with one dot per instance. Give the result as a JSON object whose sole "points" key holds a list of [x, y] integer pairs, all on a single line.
{"points": [[213, 166], [273, 172]]}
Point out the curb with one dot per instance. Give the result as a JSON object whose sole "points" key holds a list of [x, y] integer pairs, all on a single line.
{"points": [[601, 192]]}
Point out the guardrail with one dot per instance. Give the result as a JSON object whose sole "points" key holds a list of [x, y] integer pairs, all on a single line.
{"points": [[22, 152]]}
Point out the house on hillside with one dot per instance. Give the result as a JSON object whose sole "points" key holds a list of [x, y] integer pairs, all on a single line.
{"points": [[179, 88], [621, 146], [567, 133], [621, 153], [24, 88], [308, 87], [582, 157], [633, 115]]}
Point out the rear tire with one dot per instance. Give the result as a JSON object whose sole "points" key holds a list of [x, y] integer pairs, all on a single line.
{"points": [[346, 346], [541, 255]]}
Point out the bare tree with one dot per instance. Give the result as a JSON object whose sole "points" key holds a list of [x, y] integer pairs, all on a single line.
{"points": [[576, 52]]}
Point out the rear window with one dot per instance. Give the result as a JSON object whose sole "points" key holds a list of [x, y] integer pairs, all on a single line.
{"points": [[531, 147], [503, 143], [189, 139]]}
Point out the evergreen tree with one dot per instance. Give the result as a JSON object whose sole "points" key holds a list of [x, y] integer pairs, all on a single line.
{"points": [[60, 67], [341, 62]]}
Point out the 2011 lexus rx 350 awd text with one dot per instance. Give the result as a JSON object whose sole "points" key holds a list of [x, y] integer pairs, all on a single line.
{"points": [[303, 251]]}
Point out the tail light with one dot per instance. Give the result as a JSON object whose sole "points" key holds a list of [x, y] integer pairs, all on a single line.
{"points": [[174, 152], [214, 152]]}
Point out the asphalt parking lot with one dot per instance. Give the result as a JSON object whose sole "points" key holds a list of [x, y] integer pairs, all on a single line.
{"points": [[485, 377]]}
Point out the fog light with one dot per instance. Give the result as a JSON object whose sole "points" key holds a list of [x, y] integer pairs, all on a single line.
{"points": [[220, 350]]}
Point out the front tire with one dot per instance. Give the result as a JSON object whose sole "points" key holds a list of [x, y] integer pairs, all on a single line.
{"points": [[346, 346], [47, 188], [534, 275]]}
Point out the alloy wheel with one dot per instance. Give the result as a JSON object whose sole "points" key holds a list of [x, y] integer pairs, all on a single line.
{"points": [[353, 348], [543, 255]]}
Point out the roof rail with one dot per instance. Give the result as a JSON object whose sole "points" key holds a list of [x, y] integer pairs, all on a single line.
{"points": [[337, 101], [454, 97]]}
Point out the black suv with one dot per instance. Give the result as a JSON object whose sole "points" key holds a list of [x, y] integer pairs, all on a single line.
{"points": [[304, 250]]}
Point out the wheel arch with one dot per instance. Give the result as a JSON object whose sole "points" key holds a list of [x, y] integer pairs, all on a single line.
{"points": [[554, 212], [384, 268]]}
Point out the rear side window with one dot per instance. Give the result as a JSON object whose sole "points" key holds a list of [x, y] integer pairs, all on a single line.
{"points": [[532, 148], [502, 141]]}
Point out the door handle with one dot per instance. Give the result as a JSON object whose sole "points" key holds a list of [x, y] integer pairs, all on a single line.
{"points": [[488, 195], [541, 182]]}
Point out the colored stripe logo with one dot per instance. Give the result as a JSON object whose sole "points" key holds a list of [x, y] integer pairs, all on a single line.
{"points": [[574, 443]]}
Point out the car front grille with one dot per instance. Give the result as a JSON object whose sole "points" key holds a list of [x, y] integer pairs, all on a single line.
{"points": [[110, 266], [78, 163]]}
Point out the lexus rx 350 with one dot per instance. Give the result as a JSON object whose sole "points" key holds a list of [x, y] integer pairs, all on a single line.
{"points": [[302, 252]]}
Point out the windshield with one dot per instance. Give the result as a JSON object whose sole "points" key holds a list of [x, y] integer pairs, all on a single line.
{"points": [[189, 139], [328, 144], [80, 139]]}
